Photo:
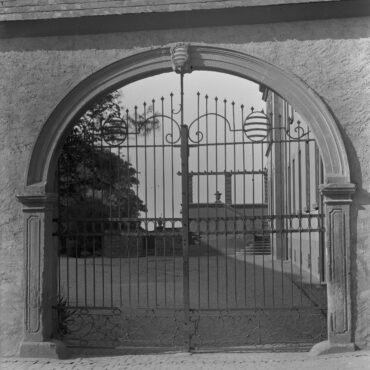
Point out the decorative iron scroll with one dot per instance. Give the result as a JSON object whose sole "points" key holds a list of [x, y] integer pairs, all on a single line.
{"points": [[114, 130], [300, 131], [257, 125]]}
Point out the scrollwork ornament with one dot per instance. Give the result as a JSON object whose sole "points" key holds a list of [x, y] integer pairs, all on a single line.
{"points": [[299, 130], [114, 131]]}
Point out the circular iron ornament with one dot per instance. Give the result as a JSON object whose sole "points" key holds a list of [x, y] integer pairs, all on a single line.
{"points": [[257, 125], [114, 131]]}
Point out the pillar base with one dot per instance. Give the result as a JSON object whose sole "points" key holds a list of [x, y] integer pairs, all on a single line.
{"points": [[52, 349], [326, 348]]}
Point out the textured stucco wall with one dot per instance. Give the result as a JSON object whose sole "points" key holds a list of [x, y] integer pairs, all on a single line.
{"points": [[43, 9], [332, 56]]}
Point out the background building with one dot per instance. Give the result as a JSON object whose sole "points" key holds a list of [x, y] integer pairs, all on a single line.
{"points": [[295, 173]]}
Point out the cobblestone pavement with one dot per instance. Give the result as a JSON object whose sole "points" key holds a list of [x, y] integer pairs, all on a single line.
{"points": [[179, 361]]}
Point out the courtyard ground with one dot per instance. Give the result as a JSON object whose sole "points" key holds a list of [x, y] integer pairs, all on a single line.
{"points": [[235, 300], [359, 360]]}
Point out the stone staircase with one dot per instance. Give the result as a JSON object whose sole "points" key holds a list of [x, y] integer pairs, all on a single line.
{"points": [[260, 246]]}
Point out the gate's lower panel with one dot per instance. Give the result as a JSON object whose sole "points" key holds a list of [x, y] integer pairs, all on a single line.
{"points": [[114, 328], [250, 328]]}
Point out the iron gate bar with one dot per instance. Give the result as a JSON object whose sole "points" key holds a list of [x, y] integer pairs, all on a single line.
{"points": [[216, 157], [207, 211], [155, 215], [289, 197], [278, 221], [234, 160], [253, 226], [198, 179], [174, 234], [146, 211], [272, 241], [244, 214], [297, 140], [164, 203], [185, 217], [225, 212]]}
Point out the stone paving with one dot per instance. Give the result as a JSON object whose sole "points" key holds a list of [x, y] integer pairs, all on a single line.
{"points": [[179, 361]]}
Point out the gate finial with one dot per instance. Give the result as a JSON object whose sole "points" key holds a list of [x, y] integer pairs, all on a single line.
{"points": [[180, 57]]}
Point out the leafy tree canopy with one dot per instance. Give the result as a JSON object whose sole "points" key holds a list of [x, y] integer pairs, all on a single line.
{"points": [[94, 180]]}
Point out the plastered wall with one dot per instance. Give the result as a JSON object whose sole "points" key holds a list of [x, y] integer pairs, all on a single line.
{"points": [[43, 9], [331, 56]]}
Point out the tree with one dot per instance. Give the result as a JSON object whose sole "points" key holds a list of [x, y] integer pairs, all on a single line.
{"points": [[94, 181]]}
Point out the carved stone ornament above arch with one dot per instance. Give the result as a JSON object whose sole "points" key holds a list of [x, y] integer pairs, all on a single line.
{"points": [[41, 169]]}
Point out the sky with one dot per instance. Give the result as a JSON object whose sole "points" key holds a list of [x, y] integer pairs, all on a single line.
{"points": [[222, 85]]}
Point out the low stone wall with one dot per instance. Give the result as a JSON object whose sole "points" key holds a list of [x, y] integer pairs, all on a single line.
{"points": [[117, 245], [120, 245]]}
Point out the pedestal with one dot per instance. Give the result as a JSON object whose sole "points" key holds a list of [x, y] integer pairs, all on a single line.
{"points": [[40, 277]]}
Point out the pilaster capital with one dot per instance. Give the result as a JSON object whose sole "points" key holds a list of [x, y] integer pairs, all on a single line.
{"points": [[337, 192], [34, 201]]}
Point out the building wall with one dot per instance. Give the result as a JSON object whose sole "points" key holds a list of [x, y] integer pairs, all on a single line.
{"points": [[212, 217], [42, 9], [305, 247], [207, 223], [295, 173], [331, 56]]}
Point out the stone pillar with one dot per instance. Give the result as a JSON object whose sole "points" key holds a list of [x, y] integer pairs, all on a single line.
{"points": [[228, 191], [337, 199], [40, 255]]}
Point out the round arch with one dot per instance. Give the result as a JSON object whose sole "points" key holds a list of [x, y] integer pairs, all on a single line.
{"points": [[38, 199], [291, 88]]}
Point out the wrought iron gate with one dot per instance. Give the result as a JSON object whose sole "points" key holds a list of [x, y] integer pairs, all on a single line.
{"points": [[193, 235]]}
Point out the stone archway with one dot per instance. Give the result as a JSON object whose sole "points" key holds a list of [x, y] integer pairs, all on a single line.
{"points": [[39, 197]]}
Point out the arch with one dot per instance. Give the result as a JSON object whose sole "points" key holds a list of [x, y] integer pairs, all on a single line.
{"points": [[39, 200], [311, 107]]}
